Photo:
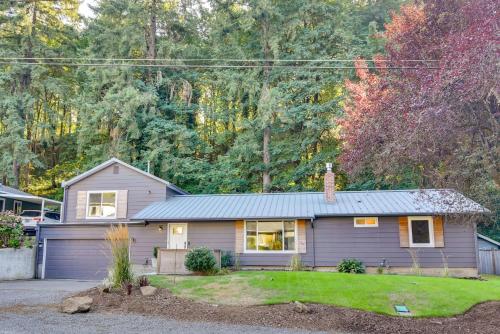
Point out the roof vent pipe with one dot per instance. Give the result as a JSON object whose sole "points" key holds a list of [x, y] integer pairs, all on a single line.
{"points": [[329, 184]]}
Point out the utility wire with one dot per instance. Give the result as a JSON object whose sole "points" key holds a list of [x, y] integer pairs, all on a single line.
{"points": [[212, 59], [206, 66]]}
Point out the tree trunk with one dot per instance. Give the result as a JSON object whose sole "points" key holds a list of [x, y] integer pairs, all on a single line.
{"points": [[266, 138], [151, 38], [266, 158]]}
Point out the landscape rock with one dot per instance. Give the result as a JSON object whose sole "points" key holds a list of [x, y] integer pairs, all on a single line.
{"points": [[301, 308], [76, 305], [148, 290]]}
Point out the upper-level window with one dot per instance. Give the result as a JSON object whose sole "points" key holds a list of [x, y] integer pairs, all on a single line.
{"points": [[421, 231], [365, 222], [101, 204], [270, 236]]}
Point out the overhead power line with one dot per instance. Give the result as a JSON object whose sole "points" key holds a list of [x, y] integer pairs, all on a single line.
{"points": [[202, 65], [214, 59]]}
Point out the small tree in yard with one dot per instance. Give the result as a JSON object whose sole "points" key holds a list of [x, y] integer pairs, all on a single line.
{"points": [[200, 260], [121, 272]]}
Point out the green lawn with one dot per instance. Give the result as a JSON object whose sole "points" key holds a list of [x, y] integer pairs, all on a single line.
{"points": [[425, 296]]}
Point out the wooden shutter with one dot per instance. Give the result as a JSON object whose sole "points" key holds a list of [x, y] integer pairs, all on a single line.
{"points": [[301, 236], [121, 203], [81, 204], [438, 231], [404, 238], [240, 236]]}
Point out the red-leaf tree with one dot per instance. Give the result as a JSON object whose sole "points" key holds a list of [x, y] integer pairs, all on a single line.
{"points": [[434, 115]]}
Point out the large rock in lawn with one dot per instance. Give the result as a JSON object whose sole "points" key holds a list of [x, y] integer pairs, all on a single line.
{"points": [[76, 304], [148, 290]]}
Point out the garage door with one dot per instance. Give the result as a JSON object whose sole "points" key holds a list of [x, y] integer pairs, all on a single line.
{"points": [[80, 259]]}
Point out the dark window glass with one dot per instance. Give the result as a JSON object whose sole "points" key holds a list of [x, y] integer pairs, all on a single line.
{"points": [[420, 231]]}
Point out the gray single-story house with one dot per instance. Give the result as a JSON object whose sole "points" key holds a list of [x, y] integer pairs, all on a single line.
{"points": [[264, 230], [15, 200], [483, 242]]}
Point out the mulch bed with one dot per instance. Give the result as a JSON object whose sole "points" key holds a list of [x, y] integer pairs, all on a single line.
{"points": [[482, 318]]}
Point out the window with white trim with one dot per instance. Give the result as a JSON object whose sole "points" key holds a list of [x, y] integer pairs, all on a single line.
{"points": [[365, 221], [18, 207], [101, 204], [2, 204], [421, 231], [270, 236]]}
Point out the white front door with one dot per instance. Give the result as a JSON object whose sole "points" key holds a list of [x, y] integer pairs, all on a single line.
{"points": [[177, 236]]}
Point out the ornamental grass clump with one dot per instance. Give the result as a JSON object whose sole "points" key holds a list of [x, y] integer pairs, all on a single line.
{"points": [[121, 272]]}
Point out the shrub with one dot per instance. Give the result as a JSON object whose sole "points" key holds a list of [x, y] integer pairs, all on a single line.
{"points": [[296, 263], [143, 281], [226, 259], [11, 231], [353, 266], [121, 272], [200, 260]]}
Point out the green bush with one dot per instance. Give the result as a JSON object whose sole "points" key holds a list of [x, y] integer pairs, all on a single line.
{"points": [[352, 266], [200, 260], [11, 231], [226, 259]]}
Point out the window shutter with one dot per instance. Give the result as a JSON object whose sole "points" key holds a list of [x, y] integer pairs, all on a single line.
{"points": [[301, 236], [81, 204], [240, 236], [121, 203], [438, 231], [404, 238]]}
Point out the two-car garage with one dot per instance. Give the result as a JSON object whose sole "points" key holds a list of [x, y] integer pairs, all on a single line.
{"points": [[76, 258]]}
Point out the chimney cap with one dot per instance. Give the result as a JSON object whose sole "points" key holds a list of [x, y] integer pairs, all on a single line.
{"points": [[329, 166]]}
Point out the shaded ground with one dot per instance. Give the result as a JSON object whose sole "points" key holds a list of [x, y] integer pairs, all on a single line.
{"points": [[482, 318]]}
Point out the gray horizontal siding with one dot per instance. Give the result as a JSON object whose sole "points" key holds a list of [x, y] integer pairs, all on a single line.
{"points": [[336, 239], [142, 190]]}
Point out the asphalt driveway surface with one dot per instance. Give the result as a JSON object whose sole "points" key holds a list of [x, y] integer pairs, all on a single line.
{"points": [[31, 307], [40, 292]]}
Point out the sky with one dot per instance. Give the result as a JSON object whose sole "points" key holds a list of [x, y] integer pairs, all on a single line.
{"points": [[84, 9]]}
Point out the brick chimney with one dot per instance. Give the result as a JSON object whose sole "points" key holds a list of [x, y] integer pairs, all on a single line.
{"points": [[329, 184]]}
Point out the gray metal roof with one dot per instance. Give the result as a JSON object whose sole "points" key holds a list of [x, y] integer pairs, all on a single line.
{"points": [[309, 205], [10, 190]]}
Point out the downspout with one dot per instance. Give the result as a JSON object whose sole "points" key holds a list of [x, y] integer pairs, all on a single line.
{"points": [[314, 243], [65, 205], [476, 249]]}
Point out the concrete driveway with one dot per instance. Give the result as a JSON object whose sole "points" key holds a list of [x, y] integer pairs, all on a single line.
{"points": [[40, 292]]}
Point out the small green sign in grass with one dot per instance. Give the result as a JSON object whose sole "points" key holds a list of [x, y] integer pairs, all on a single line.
{"points": [[402, 310]]}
